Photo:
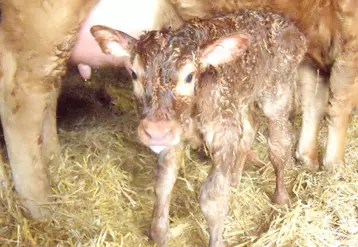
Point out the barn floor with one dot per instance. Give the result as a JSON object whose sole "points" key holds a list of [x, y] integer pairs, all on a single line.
{"points": [[103, 187]]}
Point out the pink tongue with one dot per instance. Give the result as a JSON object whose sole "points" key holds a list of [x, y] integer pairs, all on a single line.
{"points": [[157, 149], [85, 71]]}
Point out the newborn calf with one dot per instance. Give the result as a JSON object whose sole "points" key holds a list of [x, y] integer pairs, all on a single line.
{"points": [[209, 81]]}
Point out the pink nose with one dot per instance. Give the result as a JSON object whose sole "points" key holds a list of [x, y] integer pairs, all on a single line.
{"points": [[154, 133]]}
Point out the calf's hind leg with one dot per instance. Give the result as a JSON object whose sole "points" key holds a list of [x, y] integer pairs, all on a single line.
{"points": [[281, 140], [249, 129], [280, 151]]}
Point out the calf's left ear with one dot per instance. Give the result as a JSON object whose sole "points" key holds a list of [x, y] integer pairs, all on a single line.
{"points": [[111, 41], [225, 49]]}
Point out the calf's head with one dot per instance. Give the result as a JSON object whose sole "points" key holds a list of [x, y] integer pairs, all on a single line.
{"points": [[166, 68]]}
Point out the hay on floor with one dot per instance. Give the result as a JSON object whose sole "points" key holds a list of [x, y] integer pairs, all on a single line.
{"points": [[103, 187]]}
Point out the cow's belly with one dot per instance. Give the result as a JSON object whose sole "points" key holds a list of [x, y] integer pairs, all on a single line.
{"points": [[132, 17]]}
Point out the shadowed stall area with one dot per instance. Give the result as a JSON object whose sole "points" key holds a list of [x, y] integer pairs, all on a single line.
{"points": [[103, 186]]}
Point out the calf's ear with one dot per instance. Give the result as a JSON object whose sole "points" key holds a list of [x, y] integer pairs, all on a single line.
{"points": [[111, 41], [225, 49]]}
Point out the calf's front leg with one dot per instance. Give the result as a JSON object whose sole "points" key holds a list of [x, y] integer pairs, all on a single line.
{"points": [[214, 203], [215, 191], [167, 171]]}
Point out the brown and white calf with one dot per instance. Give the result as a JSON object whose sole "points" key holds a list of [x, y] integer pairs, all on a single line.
{"points": [[210, 81]]}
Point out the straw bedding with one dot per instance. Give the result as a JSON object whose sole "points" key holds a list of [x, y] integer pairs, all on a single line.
{"points": [[103, 186]]}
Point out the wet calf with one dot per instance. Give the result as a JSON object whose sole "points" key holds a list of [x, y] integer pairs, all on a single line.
{"points": [[209, 81]]}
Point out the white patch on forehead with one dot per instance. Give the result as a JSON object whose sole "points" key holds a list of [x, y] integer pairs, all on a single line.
{"points": [[183, 87]]}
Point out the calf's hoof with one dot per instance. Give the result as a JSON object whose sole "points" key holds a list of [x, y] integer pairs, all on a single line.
{"points": [[216, 243], [157, 237], [306, 162], [281, 198]]}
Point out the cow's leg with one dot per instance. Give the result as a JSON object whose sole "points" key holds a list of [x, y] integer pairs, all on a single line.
{"points": [[167, 171], [22, 118], [51, 145], [4, 182], [344, 90], [228, 156], [33, 57], [314, 101]]}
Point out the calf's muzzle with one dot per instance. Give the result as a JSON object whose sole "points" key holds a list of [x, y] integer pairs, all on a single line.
{"points": [[159, 134]]}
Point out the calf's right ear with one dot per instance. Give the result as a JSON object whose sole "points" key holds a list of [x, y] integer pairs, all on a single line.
{"points": [[111, 41]]}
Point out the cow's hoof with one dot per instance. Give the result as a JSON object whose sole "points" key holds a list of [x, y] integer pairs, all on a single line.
{"points": [[306, 163], [38, 212], [332, 165]]}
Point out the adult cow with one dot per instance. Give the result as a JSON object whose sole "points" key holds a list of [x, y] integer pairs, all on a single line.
{"points": [[36, 40]]}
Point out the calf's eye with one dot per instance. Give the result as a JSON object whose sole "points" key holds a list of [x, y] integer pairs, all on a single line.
{"points": [[189, 78], [134, 75]]}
